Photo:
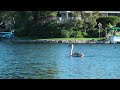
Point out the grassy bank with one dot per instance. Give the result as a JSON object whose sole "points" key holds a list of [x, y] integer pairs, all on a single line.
{"points": [[59, 40], [27, 38]]}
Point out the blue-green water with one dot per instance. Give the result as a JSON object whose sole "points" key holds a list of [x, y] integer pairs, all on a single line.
{"points": [[52, 61]]}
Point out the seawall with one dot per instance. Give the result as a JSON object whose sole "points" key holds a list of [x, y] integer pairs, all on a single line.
{"points": [[60, 41]]}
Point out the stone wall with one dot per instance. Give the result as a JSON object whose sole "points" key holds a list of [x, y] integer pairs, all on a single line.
{"points": [[60, 41]]}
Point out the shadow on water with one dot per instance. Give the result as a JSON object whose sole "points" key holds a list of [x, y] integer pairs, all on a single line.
{"points": [[70, 57]]}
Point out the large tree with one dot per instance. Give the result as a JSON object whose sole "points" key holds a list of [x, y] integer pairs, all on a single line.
{"points": [[30, 21], [89, 18]]}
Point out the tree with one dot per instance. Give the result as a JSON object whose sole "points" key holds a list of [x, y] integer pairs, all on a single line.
{"points": [[89, 19], [105, 20], [27, 21]]}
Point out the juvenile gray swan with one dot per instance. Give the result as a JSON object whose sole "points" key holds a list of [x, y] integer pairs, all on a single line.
{"points": [[75, 54]]}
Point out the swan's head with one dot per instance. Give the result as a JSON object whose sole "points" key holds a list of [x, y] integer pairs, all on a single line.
{"points": [[71, 45]]}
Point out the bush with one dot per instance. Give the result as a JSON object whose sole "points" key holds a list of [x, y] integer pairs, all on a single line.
{"points": [[84, 34], [94, 33], [21, 32], [65, 34], [44, 31], [76, 34], [25, 30]]}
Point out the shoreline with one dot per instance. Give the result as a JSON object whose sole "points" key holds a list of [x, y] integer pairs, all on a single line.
{"points": [[60, 41]]}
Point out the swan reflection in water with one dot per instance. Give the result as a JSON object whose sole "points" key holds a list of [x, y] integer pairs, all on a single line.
{"points": [[75, 54]]}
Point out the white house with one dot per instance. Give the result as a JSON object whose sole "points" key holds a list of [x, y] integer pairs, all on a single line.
{"points": [[66, 15]]}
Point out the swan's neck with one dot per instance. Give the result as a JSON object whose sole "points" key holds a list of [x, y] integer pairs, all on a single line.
{"points": [[71, 50]]}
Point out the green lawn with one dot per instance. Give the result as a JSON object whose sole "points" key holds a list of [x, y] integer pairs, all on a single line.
{"points": [[27, 38], [71, 39]]}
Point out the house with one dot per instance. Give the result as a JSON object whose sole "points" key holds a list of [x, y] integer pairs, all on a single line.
{"points": [[65, 15]]}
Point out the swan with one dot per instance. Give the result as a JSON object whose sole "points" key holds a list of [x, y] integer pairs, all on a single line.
{"points": [[75, 54]]}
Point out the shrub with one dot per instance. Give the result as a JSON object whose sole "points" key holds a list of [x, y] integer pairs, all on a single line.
{"points": [[76, 34], [21, 32], [84, 34], [65, 34], [94, 33]]}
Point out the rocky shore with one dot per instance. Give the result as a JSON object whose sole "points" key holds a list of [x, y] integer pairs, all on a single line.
{"points": [[60, 41]]}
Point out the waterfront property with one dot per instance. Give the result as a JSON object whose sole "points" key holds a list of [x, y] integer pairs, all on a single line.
{"points": [[114, 38], [6, 30], [65, 15]]}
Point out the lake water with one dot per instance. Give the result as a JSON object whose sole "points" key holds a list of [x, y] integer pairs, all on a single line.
{"points": [[52, 61]]}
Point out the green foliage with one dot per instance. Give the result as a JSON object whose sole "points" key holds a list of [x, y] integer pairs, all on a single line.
{"points": [[47, 30], [118, 24], [33, 32], [76, 13], [88, 25], [110, 26], [72, 25], [84, 34], [21, 32], [117, 33], [89, 19], [76, 34], [70, 28], [65, 34], [29, 19], [105, 20], [27, 24], [94, 32]]}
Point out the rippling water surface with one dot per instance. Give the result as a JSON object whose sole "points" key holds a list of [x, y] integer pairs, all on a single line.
{"points": [[52, 61]]}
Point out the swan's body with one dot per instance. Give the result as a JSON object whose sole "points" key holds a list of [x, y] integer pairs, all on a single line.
{"points": [[75, 54], [78, 54]]}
